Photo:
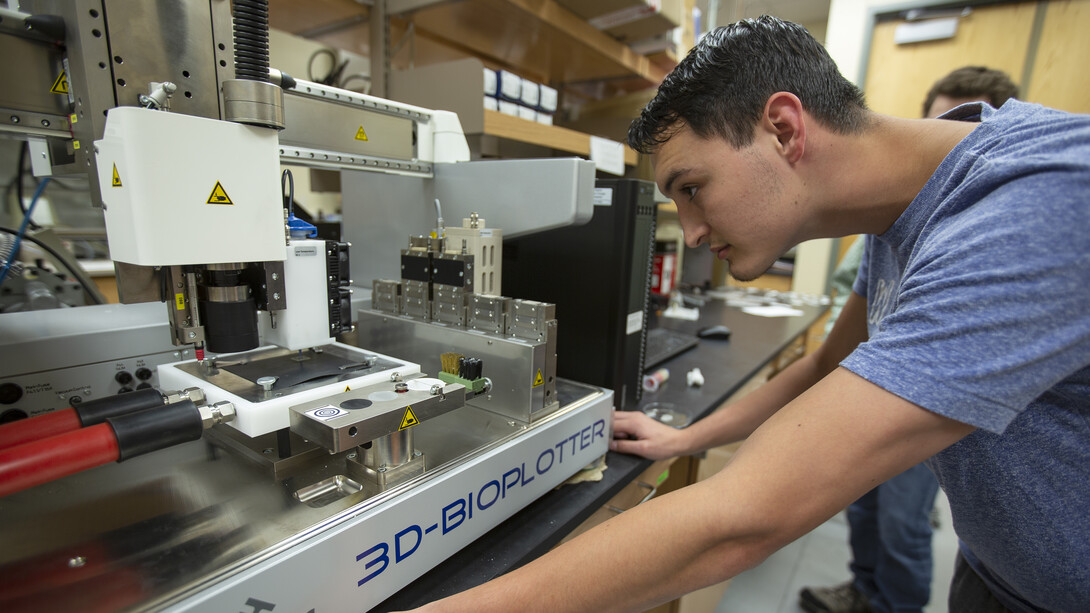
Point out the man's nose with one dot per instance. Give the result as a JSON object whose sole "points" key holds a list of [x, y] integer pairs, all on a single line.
{"points": [[693, 228]]}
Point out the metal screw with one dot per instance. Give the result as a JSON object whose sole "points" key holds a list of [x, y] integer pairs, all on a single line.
{"points": [[275, 276], [267, 450], [45, 123], [418, 453], [351, 456], [76, 562], [192, 335], [276, 295], [14, 119], [382, 469], [267, 383]]}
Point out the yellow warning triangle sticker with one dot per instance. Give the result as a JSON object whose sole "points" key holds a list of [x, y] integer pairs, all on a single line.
{"points": [[538, 380], [219, 196], [409, 420], [347, 389], [360, 134], [117, 177], [60, 86]]}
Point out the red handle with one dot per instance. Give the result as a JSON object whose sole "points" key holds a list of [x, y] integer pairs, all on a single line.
{"points": [[41, 426], [38, 462]]}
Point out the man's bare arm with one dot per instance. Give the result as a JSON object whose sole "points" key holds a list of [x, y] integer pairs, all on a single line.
{"points": [[811, 459], [735, 422]]}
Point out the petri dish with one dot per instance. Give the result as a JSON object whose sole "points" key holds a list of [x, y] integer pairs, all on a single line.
{"points": [[666, 413]]}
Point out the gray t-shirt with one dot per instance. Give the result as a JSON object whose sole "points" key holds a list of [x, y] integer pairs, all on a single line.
{"points": [[978, 307]]}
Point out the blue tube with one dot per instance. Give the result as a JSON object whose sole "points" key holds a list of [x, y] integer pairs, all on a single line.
{"points": [[22, 230]]}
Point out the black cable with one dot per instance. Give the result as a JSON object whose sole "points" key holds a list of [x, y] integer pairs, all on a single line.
{"points": [[354, 77], [58, 258], [335, 69]]}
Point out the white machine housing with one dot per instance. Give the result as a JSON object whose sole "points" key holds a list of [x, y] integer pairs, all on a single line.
{"points": [[304, 323], [180, 190]]}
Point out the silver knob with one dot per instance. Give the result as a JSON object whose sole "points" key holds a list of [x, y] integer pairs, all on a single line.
{"points": [[267, 383]]}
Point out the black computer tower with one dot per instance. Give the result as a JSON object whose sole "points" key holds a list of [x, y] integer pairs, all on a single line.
{"points": [[598, 275]]}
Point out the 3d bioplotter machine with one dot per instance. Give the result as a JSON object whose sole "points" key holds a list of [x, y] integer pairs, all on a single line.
{"points": [[266, 463]]}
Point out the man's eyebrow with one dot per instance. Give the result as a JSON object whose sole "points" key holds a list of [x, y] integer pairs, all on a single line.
{"points": [[673, 177]]}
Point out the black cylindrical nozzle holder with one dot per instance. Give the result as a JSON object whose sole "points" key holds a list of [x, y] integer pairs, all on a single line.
{"points": [[154, 429], [99, 410]]}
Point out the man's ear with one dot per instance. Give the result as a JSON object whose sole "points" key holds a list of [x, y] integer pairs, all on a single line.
{"points": [[784, 118]]}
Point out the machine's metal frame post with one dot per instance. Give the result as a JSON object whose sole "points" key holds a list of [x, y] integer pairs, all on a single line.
{"points": [[380, 48]]}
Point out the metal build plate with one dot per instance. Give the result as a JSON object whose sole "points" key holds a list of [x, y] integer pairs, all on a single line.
{"points": [[259, 412], [296, 371], [364, 414], [523, 385], [329, 125]]}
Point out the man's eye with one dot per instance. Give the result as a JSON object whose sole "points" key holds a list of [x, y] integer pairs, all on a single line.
{"points": [[690, 191]]}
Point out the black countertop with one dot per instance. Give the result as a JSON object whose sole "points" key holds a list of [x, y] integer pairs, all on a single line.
{"points": [[726, 366]]}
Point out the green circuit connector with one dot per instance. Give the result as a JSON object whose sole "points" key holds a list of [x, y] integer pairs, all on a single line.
{"points": [[476, 386]]}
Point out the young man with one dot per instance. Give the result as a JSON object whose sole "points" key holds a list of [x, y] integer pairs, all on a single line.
{"points": [[891, 525], [968, 84], [969, 336]]}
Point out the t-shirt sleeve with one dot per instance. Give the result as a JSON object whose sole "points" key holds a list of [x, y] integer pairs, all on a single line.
{"points": [[993, 308]]}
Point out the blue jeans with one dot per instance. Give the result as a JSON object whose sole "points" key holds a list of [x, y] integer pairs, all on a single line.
{"points": [[891, 541]]}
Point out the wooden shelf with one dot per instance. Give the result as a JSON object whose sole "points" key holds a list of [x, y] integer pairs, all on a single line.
{"points": [[537, 38], [555, 137]]}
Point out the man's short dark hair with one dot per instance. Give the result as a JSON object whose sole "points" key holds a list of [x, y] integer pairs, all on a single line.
{"points": [[991, 86], [722, 85]]}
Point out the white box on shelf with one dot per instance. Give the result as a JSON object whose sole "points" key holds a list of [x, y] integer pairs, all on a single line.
{"points": [[545, 118], [510, 86], [491, 103], [530, 93], [490, 82], [509, 108], [527, 113], [548, 97]]}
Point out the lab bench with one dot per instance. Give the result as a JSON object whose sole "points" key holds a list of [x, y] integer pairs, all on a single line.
{"points": [[756, 343]]}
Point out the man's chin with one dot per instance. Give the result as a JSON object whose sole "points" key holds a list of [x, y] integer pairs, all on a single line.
{"points": [[746, 275]]}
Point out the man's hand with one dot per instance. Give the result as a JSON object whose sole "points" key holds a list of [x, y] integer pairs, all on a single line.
{"points": [[638, 434]]}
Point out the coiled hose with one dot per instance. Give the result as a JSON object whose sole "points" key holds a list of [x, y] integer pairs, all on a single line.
{"points": [[251, 30]]}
